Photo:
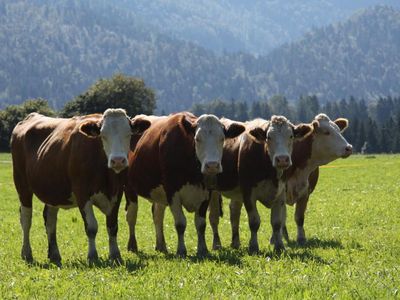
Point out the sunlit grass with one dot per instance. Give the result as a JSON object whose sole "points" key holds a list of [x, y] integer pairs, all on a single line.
{"points": [[352, 223]]}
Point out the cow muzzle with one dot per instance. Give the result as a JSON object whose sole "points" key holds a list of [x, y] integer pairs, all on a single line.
{"points": [[347, 151], [282, 161], [212, 168], [118, 163]]}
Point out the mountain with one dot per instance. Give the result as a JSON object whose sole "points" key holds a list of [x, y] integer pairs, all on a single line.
{"points": [[57, 49], [253, 26]]}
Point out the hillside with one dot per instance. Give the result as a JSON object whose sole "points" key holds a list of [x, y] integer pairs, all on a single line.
{"points": [[255, 26], [57, 50]]}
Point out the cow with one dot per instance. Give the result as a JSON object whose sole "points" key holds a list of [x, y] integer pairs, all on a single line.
{"points": [[76, 162], [254, 165], [323, 146], [175, 164]]}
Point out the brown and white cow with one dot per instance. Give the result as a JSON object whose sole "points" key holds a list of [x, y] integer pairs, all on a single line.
{"points": [[325, 145], [253, 167], [175, 164], [77, 162]]}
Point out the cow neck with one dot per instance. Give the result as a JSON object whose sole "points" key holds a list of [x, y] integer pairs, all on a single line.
{"points": [[303, 159]]}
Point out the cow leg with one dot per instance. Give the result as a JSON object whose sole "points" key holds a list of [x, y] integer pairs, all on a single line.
{"points": [[112, 230], [285, 232], [50, 222], [26, 223], [277, 222], [235, 208], [254, 223], [215, 213], [301, 207], [131, 217], [180, 226], [200, 222], [91, 228], [158, 211]]}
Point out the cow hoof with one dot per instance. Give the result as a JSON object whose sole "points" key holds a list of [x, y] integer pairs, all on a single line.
{"points": [[202, 253], [132, 245], [301, 241], [216, 243], [116, 259], [93, 257], [181, 253], [254, 249], [272, 240], [55, 258], [235, 244], [285, 234], [26, 255], [279, 248], [162, 249]]}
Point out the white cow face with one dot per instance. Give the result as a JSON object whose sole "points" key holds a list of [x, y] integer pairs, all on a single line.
{"points": [[279, 135], [209, 139], [115, 130], [329, 143]]}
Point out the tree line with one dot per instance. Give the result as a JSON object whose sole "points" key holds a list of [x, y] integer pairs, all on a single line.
{"points": [[374, 128]]}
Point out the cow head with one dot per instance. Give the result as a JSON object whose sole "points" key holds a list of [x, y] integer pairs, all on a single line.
{"points": [[329, 143], [279, 134], [115, 130], [209, 137]]}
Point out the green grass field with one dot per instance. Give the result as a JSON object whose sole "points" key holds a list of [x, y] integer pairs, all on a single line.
{"points": [[353, 226]]}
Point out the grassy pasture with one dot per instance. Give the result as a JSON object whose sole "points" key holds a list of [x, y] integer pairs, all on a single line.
{"points": [[353, 226]]}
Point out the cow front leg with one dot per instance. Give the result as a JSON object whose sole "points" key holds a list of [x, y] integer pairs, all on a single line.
{"points": [[284, 232], [200, 222], [50, 222], [131, 217], [301, 207], [180, 226], [254, 224], [215, 213], [235, 209], [91, 228], [276, 223], [158, 211], [112, 230], [26, 223]]}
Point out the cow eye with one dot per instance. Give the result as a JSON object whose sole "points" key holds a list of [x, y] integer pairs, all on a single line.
{"points": [[291, 137], [327, 133]]}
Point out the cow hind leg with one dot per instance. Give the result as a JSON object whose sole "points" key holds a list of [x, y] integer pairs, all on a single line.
{"points": [[112, 230], [200, 222], [235, 210], [254, 224], [91, 228], [50, 222], [131, 217], [26, 223], [180, 226], [158, 211], [215, 212]]}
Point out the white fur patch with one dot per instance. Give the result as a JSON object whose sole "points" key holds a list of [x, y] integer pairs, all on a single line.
{"points": [[191, 196], [102, 202], [265, 191], [158, 195]]}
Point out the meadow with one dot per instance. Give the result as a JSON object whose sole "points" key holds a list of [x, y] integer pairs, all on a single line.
{"points": [[352, 222]]}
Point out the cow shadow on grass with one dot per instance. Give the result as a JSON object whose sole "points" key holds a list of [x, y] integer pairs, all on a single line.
{"points": [[314, 243]]}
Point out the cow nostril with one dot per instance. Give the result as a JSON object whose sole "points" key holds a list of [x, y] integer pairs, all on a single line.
{"points": [[349, 148]]}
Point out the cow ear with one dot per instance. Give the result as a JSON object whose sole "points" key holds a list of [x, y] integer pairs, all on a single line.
{"points": [[139, 125], [301, 131], [90, 129], [258, 134], [189, 125], [342, 123], [233, 130]]}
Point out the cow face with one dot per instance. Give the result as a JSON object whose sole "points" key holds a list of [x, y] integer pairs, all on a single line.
{"points": [[209, 139], [279, 135], [329, 143], [115, 130]]}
